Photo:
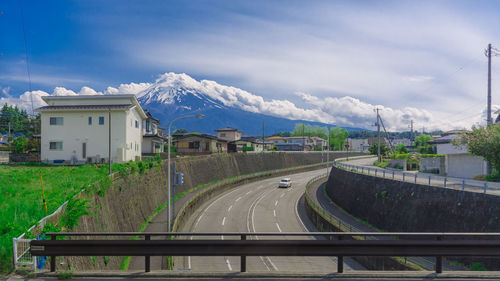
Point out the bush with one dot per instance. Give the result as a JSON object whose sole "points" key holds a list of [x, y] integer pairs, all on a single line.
{"points": [[247, 148], [75, 208]]}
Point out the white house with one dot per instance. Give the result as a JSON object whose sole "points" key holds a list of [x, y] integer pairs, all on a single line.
{"points": [[76, 129], [458, 162], [153, 139]]}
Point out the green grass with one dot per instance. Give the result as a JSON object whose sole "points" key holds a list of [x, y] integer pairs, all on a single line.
{"points": [[21, 199]]}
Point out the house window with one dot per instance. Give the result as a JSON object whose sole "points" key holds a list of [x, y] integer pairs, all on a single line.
{"points": [[56, 121], [136, 124], [90, 120], [56, 145], [194, 144], [101, 120], [148, 126], [222, 134]]}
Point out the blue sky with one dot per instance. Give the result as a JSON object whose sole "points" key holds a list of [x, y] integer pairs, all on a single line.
{"points": [[424, 57]]}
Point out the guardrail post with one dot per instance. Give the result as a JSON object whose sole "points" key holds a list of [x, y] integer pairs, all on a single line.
{"points": [[463, 184], [416, 178], [53, 258], [340, 261], [243, 261], [485, 187], [444, 184], [403, 176], [439, 261], [147, 259], [384, 173], [429, 180], [393, 175]]}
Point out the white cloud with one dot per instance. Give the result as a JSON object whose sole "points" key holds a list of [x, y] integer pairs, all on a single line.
{"points": [[126, 89]]}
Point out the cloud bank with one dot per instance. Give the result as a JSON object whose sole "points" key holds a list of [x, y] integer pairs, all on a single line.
{"points": [[343, 111]]}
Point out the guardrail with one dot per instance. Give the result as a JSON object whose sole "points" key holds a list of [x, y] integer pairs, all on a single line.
{"points": [[338, 244], [425, 179]]}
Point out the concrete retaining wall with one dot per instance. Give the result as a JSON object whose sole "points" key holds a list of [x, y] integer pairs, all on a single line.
{"points": [[405, 207], [433, 165]]}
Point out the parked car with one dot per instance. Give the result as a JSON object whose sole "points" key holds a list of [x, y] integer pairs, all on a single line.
{"points": [[285, 182]]}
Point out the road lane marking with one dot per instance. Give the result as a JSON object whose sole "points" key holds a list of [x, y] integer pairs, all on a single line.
{"points": [[229, 265], [199, 218], [278, 226], [230, 207], [248, 192], [238, 199], [274, 211], [276, 203], [252, 209], [223, 220], [283, 194]]}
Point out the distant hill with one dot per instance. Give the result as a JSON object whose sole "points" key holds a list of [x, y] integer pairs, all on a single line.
{"points": [[178, 94]]}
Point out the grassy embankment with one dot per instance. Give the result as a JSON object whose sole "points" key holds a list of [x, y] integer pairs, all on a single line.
{"points": [[21, 201]]}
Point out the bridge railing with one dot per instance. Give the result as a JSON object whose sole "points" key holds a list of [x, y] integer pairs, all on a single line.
{"points": [[338, 244], [425, 179]]}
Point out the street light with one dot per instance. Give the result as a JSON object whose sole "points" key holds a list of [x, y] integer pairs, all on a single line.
{"points": [[199, 116]]}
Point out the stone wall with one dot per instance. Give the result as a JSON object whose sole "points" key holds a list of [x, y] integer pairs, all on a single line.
{"points": [[402, 206], [396, 206], [24, 157]]}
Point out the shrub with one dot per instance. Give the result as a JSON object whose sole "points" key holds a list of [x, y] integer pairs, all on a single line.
{"points": [[75, 208]]}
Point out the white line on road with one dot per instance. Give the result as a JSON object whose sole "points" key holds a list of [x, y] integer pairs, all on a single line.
{"points": [[230, 207], [238, 199], [229, 265], [276, 203], [252, 210], [248, 192], [278, 226], [274, 212], [283, 194], [223, 220]]}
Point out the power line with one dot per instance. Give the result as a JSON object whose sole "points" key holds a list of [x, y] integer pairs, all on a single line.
{"points": [[26, 54]]}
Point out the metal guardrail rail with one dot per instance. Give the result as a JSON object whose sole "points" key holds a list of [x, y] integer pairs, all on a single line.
{"points": [[427, 179], [338, 244]]}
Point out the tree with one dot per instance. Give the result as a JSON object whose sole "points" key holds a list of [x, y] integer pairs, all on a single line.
{"points": [[20, 144], [180, 132], [337, 138], [401, 148], [383, 149], [422, 145], [483, 141]]}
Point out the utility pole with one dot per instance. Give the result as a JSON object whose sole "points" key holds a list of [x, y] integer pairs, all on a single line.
{"points": [[109, 141], [411, 131], [262, 136], [488, 53], [378, 136]]}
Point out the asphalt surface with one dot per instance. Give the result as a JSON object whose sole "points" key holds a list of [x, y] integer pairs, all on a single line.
{"points": [[256, 207]]}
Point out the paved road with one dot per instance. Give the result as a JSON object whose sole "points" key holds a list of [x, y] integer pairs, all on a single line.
{"points": [[256, 207]]}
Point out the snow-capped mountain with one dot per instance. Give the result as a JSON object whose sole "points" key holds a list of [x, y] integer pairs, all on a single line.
{"points": [[174, 95]]}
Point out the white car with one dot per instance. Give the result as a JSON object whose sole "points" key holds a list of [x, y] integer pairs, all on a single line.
{"points": [[285, 182]]}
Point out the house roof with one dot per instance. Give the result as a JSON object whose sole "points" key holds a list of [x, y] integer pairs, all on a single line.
{"points": [[204, 136], [132, 98], [150, 116], [444, 139], [85, 107], [227, 129]]}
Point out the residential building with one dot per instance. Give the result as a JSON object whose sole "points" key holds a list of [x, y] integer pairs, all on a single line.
{"points": [[319, 142], [276, 139], [289, 146], [255, 143], [358, 144], [228, 134], [404, 141], [199, 144], [306, 142], [76, 129], [153, 139], [458, 162]]}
